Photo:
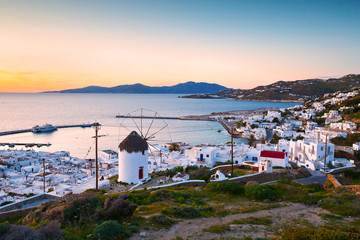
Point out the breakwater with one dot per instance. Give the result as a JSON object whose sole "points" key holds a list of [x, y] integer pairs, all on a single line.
{"points": [[188, 118], [29, 130]]}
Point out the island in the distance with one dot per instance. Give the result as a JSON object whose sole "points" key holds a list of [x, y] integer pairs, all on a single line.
{"points": [[182, 88]]}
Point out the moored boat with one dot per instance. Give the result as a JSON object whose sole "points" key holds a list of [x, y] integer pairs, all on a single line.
{"points": [[45, 128]]}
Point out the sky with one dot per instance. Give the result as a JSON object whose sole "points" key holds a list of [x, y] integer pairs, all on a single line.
{"points": [[55, 45]]}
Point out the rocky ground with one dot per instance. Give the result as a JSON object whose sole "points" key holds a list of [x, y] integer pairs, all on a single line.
{"points": [[287, 214]]}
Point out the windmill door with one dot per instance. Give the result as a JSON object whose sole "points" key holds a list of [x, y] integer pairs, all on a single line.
{"points": [[141, 172]]}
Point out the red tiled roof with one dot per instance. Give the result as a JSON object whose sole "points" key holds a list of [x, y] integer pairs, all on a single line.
{"points": [[273, 154]]}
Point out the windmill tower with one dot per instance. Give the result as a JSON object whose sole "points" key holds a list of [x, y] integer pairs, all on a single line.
{"points": [[133, 159], [133, 150]]}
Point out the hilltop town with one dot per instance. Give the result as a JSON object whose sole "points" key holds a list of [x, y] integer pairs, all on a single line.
{"points": [[311, 149], [289, 91]]}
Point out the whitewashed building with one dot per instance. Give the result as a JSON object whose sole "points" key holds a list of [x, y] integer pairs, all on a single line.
{"points": [[277, 159], [311, 154], [345, 126], [356, 146]]}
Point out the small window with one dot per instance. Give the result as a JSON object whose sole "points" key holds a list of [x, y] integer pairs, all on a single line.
{"points": [[322, 148], [207, 155]]}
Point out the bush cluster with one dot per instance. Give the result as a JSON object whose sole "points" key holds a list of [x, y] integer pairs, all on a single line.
{"points": [[81, 209], [260, 192], [161, 220], [186, 212], [142, 198], [117, 209], [304, 233], [11, 232], [226, 187], [202, 173], [109, 230]]}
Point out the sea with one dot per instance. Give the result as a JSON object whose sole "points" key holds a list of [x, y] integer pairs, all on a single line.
{"points": [[25, 110]]}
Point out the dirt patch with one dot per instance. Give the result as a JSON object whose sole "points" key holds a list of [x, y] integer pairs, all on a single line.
{"points": [[293, 213]]}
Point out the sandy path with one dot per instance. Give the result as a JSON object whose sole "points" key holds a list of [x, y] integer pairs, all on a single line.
{"points": [[192, 228]]}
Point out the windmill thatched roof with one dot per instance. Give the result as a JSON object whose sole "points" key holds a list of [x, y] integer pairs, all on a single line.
{"points": [[133, 143]]}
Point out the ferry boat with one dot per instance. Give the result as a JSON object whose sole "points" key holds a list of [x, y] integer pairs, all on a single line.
{"points": [[45, 128]]}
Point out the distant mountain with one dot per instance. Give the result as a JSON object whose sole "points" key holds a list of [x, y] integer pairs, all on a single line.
{"points": [[298, 90], [182, 88]]}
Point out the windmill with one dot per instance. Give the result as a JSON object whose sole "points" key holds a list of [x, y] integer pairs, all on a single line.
{"points": [[148, 124], [144, 127]]}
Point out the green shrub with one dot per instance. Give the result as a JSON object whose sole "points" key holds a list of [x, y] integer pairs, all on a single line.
{"points": [[217, 229], [161, 220], [202, 173], [118, 209], [142, 198], [341, 207], [260, 192], [6, 203], [133, 229], [179, 169], [109, 230], [254, 220], [304, 233], [81, 209], [186, 212], [163, 194], [4, 227], [226, 187], [191, 168], [312, 188], [331, 217], [207, 209], [181, 197]]}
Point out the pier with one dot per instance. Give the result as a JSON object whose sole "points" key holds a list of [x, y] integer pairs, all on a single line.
{"points": [[26, 144], [188, 118], [228, 128], [29, 130]]}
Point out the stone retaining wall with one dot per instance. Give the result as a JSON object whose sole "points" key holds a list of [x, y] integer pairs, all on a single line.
{"points": [[337, 184], [333, 180], [353, 188], [15, 213], [27, 201]]}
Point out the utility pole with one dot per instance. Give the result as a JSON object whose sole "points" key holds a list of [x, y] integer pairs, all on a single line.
{"points": [[232, 151], [97, 127], [44, 172], [160, 156], [325, 151]]}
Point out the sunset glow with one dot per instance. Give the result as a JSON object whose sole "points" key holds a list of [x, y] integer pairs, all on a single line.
{"points": [[54, 45]]}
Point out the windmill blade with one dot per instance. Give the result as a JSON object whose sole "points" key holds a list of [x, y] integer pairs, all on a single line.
{"points": [[135, 123], [152, 121], [157, 131], [150, 138], [170, 135], [125, 127], [141, 118], [153, 146], [151, 152]]}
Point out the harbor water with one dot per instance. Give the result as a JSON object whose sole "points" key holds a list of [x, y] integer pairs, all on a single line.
{"points": [[25, 110]]}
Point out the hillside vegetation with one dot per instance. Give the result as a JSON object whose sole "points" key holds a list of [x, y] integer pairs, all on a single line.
{"points": [[298, 90], [221, 210]]}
